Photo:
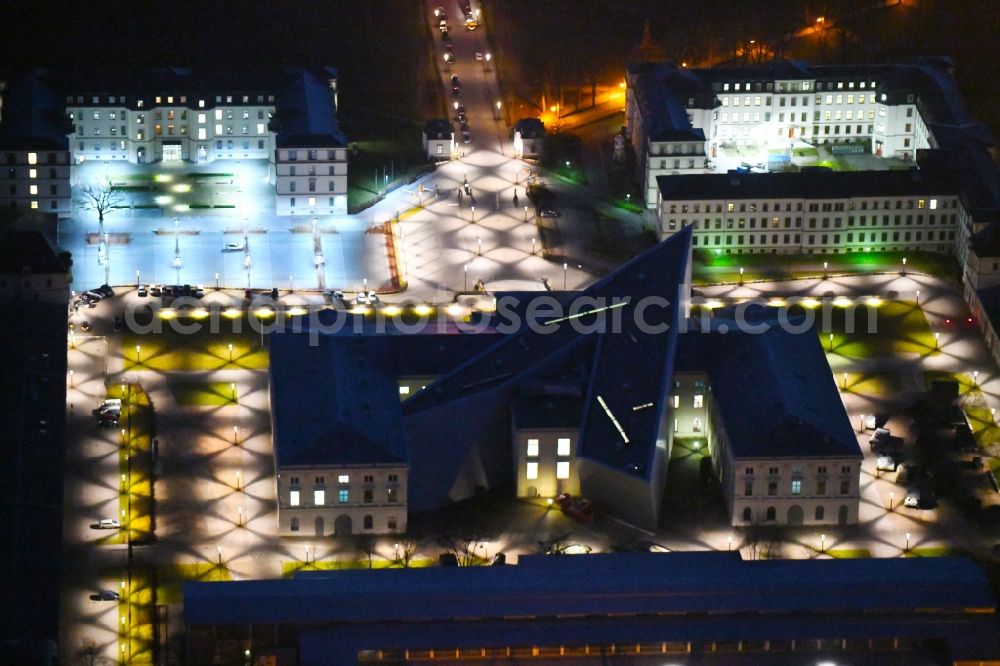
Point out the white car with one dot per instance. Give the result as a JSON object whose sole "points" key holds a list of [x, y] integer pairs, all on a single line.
{"points": [[880, 437], [366, 298], [479, 56], [233, 247], [885, 464], [871, 422], [912, 499], [110, 405], [106, 524]]}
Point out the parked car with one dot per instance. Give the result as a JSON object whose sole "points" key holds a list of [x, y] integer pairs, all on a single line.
{"points": [[105, 595], [548, 212], [479, 56], [579, 508], [466, 137], [155, 290], [572, 549], [106, 524], [143, 292], [233, 247], [105, 291], [454, 80], [449, 58], [85, 325], [881, 435], [912, 498], [90, 297], [438, 11], [872, 421], [199, 291], [886, 464]]}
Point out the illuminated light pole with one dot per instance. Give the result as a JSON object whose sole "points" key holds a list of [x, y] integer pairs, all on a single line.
{"points": [[937, 340], [975, 377], [216, 281], [729, 539], [525, 213], [741, 276], [219, 550], [918, 297], [239, 485], [236, 435], [824, 269], [138, 354], [479, 242], [230, 352], [466, 271], [565, 275], [831, 343], [892, 500], [907, 542], [240, 518], [845, 381], [628, 197], [822, 543], [473, 219], [232, 385], [71, 379], [904, 266], [533, 246]]}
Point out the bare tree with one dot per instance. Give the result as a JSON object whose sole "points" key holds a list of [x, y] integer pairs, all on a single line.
{"points": [[405, 550], [89, 654], [100, 198], [366, 544]]}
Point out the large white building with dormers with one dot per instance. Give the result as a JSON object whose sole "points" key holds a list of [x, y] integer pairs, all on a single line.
{"points": [[172, 115]]}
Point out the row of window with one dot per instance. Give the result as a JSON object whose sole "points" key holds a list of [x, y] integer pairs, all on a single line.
{"points": [[51, 158], [862, 237], [531, 470], [33, 190], [344, 479], [699, 401], [331, 185], [770, 515], [311, 202], [814, 206], [343, 496], [563, 446], [115, 146], [795, 488], [811, 223], [158, 99], [368, 523]]}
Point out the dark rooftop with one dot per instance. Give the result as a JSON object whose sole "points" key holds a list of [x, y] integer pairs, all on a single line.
{"points": [[530, 128], [439, 128], [31, 114], [307, 112], [805, 185], [28, 250]]}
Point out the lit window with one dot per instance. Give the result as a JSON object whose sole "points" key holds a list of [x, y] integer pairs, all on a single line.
{"points": [[312, 201], [293, 498], [933, 204], [260, 128], [677, 402], [32, 158], [32, 173], [343, 478], [343, 495], [562, 469], [531, 471], [33, 189], [218, 114], [218, 129], [202, 134], [562, 446], [532, 451], [699, 401], [202, 117], [796, 487], [319, 497], [404, 390], [34, 205]]}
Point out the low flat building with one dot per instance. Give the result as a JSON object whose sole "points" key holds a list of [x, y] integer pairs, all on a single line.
{"points": [[625, 607], [529, 138], [439, 139]]}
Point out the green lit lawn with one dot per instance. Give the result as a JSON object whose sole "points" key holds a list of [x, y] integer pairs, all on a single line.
{"points": [[900, 327], [709, 267], [849, 553], [288, 569], [213, 394], [170, 350], [934, 551]]}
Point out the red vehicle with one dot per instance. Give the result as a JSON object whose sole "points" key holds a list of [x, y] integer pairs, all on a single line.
{"points": [[579, 509]]}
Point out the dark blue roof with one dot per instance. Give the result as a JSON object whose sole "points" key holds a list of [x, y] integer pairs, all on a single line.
{"points": [[439, 128], [332, 404], [806, 184], [307, 112], [775, 391], [32, 115], [530, 128], [596, 585]]}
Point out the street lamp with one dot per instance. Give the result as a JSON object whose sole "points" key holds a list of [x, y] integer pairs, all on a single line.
{"points": [[822, 543], [236, 435], [239, 485], [473, 214], [831, 343], [904, 265], [918, 297], [892, 500], [845, 381], [216, 281], [907, 541], [219, 549], [232, 385], [466, 271], [975, 377], [138, 353], [565, 274], [532, 246], [729, 539], [824, 269], [230, 352], [479, 242], [741, 276], [937, 340], [71, 379], [525, 213]]}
